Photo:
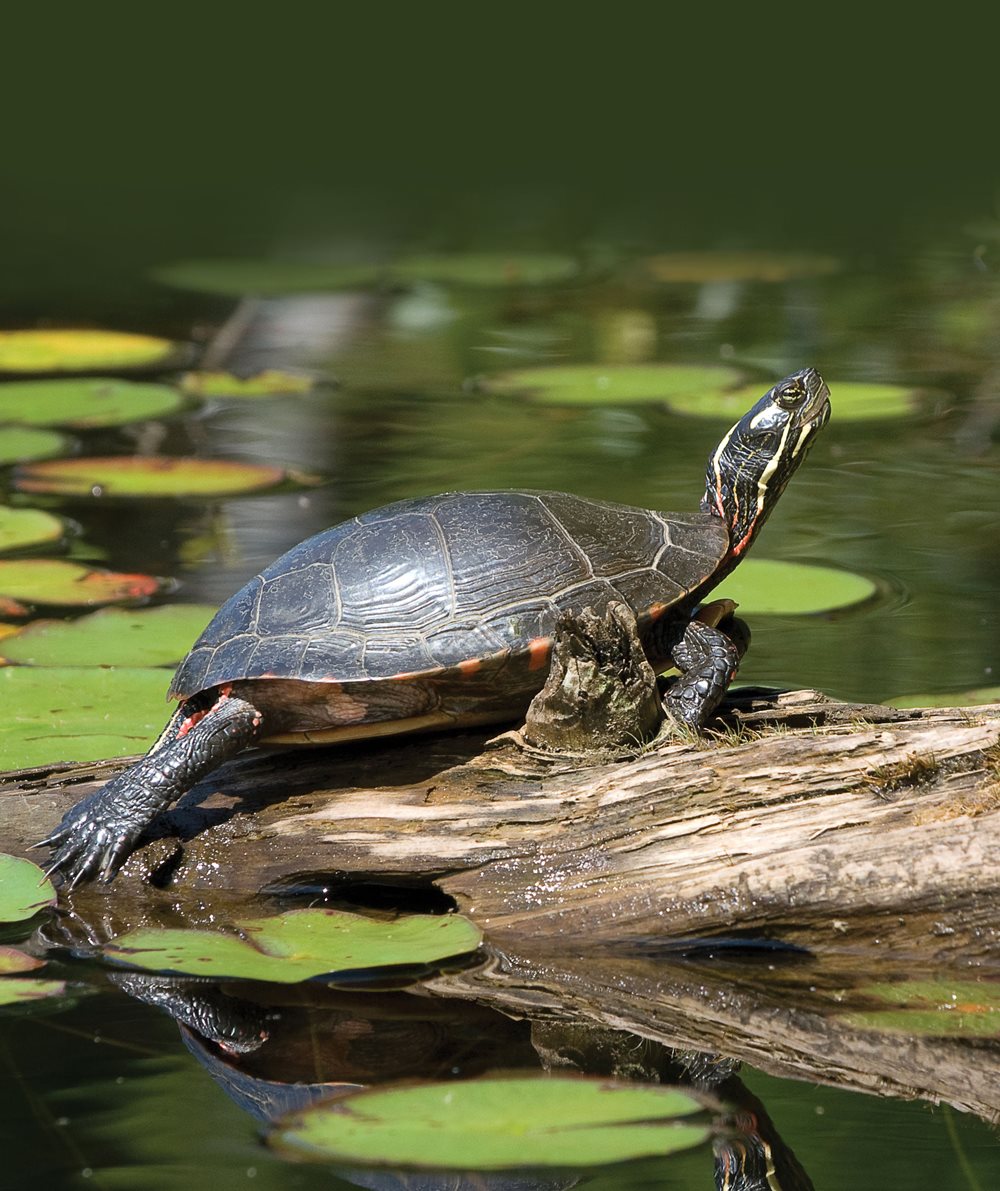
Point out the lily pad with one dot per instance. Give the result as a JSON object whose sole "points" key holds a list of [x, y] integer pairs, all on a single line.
{"points": [[84, 351], [237, 278], [83, 403], [19, 990], [24, 888], [964, 1009], [620, 384], [13, 959], [147, 475], [852, 402], [701, 267], [487, 269], [298, 945], [76, 714], [270, 383], [69, 584], [21, 528], [110, 637], [495, 1124], [21, 443], [972, 698], [768, 586]]}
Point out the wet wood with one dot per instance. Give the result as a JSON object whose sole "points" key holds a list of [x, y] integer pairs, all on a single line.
{"points": [[828, 825]]}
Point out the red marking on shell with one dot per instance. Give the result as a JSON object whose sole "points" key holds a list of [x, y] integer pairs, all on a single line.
{"points": [[655, 611], [470, 666], [538, 652]]}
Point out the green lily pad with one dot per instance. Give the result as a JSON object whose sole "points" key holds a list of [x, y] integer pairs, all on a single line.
{"points": [[495, 1124], [237, 278], [69, 584], [13, 959], [620, 384], [973, 698], [146, 475], [76, 714], [298, 945], [84, 351], [83, 403], [852, 402], [24, 888], [488, 269], [19, 990], [21, 443], [270, 383], [110, 637], [20, 528], [964, 1009], [702, 267], [767, 586]]}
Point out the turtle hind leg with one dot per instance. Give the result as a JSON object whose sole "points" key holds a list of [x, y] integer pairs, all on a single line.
{"points": [[708, 659], [96, 836]]}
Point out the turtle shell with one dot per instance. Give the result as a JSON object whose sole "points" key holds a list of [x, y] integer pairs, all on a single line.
{"points": [[423, 586]]}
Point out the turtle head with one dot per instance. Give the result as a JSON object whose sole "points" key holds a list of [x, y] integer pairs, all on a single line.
{"points": [[749, 469]]}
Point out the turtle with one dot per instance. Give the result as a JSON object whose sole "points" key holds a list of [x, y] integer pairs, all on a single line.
{"points": [[440, 611]]}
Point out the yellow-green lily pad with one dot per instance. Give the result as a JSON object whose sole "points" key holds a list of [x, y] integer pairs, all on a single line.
{"points": [[496, 1124], [768, 586], [703, 267], [238, 278], [69, 584], [487, 269], [272, 382], [84, 351], [83, 403], [21, 528], [620, 384], [14, 960], [852, 401], [298, 945], [19, 990], [24, 889], [110, 637], [965, 1009], [146, 475], [77, 714], [18, 444], [972, 698]]}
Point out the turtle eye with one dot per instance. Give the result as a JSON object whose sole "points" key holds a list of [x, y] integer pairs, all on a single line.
{"points": [[790, 393]]}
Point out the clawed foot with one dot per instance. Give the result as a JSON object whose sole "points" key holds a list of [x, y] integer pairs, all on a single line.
{"points": [[93, 840]]}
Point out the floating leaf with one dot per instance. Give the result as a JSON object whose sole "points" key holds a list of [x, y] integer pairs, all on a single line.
{"points": [[24, 888], [269, 383], [69, 584], [237, 278], [495, 1124], [76, 714], [486, 268], [852, 402], [111, 637], [764, 585], [973, 698], [20, 443], [12, 959], [84, 351], [143, 475], [298, 945], [20, 528], [83, 403], [619, 384], [737, 266], [933, 1008], [18, 990]]}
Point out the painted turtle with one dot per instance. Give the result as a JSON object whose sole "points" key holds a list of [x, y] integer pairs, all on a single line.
{"points": [[439, 612]]}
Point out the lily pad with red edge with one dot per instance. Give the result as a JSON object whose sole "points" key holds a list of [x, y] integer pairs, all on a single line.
{"points": [[270, 383], [298, 945], [79, 714], [21, 443], [769, 586], [24, 888], [84, 403], [239, 278], [496, 1123], [20, 990], [932, 1008], [69, 584], [110, 637], [82, 350], [22, 528], [13, 959], [618, 384], [147, 475]]}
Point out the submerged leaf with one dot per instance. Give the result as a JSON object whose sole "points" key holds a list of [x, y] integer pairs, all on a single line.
{"points": [[144, 475], [19, 990], [84, 351], [13, 959], [928, 1008], [764, 585], [18, 444], [110, 637], [24, 888], [85, 402], [619, 384], [298, 945], [69, 584], [20, 528], [495, 1124]]}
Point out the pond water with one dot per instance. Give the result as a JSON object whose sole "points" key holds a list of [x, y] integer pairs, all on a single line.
{"points": [[101, 1090]]}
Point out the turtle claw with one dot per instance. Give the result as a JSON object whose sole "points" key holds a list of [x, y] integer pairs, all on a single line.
{"points": [[90, 843]]}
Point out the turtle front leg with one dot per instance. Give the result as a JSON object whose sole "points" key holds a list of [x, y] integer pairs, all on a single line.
{"points": [[95, 836], [708, 658]]}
